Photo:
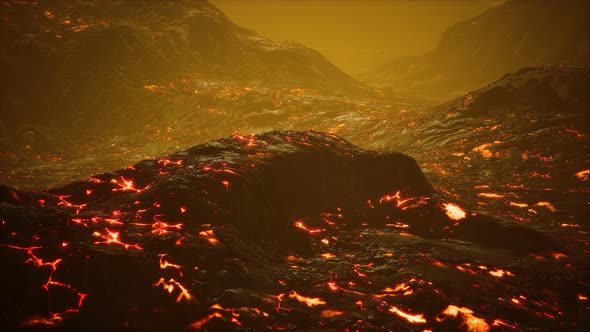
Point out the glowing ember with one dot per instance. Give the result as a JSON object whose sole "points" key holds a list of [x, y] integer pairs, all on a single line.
{"points": [[225, 183], [328, 255], [155, 88], [331, 313], [113, 221], [397, 197], [473, 324], [332, 286], [498, 322], [414, 319], [198, 324], [43, 321], [125, 185], [454, 211], [160, 227], [210, 236], [113, 238], [166, 162], [500, 273], [483, 150], [170, 285], [547, 205], [39, 262], [63, 202], [583, 175], [309, 301], [569, 225], [164, 263], [299, 224], [520, 205], [399, 287], [294, 258], [218, 170], [490, 195]]}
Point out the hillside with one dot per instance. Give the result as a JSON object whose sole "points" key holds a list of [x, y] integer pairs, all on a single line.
{"points": [[513, 35], [85, 62]]}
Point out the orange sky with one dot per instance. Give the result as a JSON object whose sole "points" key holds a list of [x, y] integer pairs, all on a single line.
{"points": [[355, 35]]}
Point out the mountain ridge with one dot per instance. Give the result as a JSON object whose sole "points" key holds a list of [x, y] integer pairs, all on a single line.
{"points": [[471, 53]]}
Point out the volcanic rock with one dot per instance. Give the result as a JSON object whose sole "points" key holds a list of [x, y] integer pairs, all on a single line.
{"points": [[200, 237]]}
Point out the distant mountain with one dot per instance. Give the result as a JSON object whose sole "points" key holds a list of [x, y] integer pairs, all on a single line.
{"points": [[63, 58], [515, 34]]}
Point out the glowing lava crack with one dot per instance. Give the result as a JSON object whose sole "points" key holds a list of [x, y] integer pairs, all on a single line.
{"points": [[282, 230]]}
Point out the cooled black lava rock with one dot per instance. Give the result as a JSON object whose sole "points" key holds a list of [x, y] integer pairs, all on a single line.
{"points": [[206, 223]]}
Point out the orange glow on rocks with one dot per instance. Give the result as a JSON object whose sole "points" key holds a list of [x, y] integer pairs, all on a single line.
{"points": [[414, 319], [483, 150], [160, 227], [171, 285], [309, 301], [454, 211], [583, 175], [209, 235], [164, 263], [112, 237], [397, 197], [225, 183], [490, 195], [331, 313], [500, 273], [63, 202], [37, 261], [125, 185], [165, 162], [299, 224], [198, 324], [520, 205], [471, 322], [547, 205]]}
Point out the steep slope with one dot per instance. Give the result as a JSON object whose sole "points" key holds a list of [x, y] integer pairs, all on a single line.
{"points": [[515, 34], [83, 63]]}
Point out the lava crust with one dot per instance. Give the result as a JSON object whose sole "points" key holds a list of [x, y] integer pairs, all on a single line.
{"points": [[295, 230]]}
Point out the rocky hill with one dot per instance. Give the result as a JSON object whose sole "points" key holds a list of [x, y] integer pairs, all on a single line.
{"points": [[297, 230], [518, 144], [84, 62]]}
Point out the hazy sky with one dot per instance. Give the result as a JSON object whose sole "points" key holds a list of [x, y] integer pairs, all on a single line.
{"points": [[355, 35]]}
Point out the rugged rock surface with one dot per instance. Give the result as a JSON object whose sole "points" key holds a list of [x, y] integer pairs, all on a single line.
{"points": [[513, 35], [87, 62], [520, 145], [295, 230]]}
